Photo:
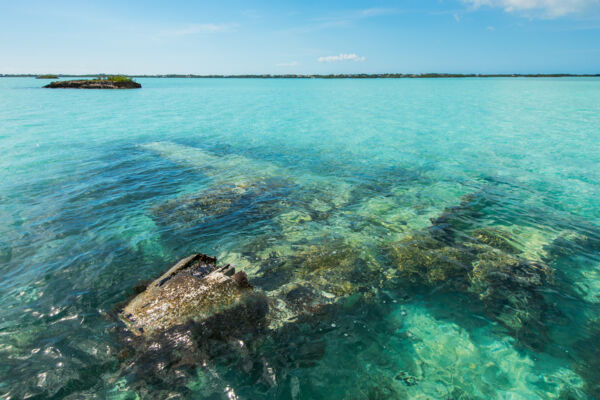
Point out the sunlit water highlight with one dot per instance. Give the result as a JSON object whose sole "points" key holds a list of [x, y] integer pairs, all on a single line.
{"points": [[426, 239]]}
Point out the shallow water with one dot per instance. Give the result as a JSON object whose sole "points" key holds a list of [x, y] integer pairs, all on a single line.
{"points": [[446, 234]]}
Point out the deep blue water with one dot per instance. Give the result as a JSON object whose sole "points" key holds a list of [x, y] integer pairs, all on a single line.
{"points": [[445, 231]]}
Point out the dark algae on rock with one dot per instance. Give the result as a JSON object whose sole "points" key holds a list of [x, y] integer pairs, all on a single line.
{"points": [[110, 82]]}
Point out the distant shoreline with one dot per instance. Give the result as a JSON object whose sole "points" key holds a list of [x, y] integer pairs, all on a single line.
{"points": [[330, 76]]}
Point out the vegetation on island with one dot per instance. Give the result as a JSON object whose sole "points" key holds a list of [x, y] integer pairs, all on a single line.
{"points": [[47, 76], [113, 78]]}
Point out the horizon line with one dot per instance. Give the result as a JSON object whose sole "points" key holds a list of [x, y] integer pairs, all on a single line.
{"points": [[338, 75]]}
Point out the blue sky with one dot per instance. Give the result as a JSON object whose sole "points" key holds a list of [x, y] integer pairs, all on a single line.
{"points": [[235, 37]]}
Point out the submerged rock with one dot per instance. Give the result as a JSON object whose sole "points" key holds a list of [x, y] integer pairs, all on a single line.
{"points": [[244, 201], [422, 258], [332, 267], [508, 286], [459, 218], [501, 269], [484, 263], [570, 244], [194, 289], [496, 238], [196, 208]]}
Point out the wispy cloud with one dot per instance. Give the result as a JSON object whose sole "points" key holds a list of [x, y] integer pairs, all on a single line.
{"points": [[341, 57], [287, 64], [346, 18], [195, 29], [376, 12], [251, 13], [543, 8]]}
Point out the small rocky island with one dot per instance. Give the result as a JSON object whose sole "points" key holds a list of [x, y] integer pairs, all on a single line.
{"points": [[47, 76], [108, 82]]}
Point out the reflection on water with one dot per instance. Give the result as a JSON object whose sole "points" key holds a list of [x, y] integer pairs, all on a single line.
{"points": [[393, 266]]}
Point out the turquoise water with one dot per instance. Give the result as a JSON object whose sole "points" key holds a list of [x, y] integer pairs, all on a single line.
{"points": [[419, 239]]}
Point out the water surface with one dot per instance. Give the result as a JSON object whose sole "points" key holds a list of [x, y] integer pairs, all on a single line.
{"points": [[446, 233]]}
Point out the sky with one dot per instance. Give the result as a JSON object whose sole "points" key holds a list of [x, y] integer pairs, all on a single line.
{"points": [[300, 36]]}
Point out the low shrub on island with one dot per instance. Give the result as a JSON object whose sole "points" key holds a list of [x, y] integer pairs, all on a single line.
{"points": [[116, 78], [101, 82], [47, 76]]}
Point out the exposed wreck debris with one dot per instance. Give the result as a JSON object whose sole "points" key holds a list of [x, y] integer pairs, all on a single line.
{"points": [[194, 289], [192, 313]]}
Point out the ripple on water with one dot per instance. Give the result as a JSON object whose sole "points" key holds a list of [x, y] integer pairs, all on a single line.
{"points": [[318, 196]]}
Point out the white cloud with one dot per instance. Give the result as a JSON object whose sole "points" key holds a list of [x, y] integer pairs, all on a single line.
{"points": [[287, 64], [545, 8], [199, 28], [341, 57]]}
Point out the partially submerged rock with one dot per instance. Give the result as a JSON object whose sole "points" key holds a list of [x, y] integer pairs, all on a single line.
{"points": [[194, 289]]}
